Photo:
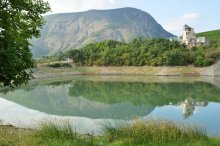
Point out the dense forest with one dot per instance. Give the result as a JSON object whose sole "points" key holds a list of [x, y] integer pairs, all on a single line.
{"points": [[153, 52]]}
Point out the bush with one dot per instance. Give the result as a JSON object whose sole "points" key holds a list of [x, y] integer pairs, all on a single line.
{"points": [[58, 65]]}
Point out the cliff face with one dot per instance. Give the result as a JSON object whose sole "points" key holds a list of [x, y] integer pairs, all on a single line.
{"points": [[73, 30]]}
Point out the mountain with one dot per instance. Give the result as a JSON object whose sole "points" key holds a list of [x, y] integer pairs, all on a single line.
{"points": [[73, 30], [211, 35]]}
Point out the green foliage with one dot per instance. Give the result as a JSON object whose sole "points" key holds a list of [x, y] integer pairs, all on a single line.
{"points": [[177, 57], [20, 20], [153, 52], [206, 55]]}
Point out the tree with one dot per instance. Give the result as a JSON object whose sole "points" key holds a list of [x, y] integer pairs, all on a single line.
{"points": [[176, 57], [77, 56], [20, 20]]}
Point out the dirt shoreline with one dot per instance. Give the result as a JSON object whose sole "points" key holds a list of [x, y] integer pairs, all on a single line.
{"points": [[43, 71]]}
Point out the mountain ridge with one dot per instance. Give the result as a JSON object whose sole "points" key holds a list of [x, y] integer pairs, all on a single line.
{"points": [[65, 31]]}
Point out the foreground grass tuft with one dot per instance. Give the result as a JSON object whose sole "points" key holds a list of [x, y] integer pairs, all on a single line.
{"points": [[60, 134], [153, 133]]}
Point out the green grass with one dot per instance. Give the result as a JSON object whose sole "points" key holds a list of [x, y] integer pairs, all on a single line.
{"points": [[60, 134], [164, 133], [154, 133], [11, 136], [212, 35]]}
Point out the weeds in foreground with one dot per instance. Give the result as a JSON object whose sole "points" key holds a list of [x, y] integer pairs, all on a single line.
{"points": [[153, 133], [60, 134], [138, 133]]}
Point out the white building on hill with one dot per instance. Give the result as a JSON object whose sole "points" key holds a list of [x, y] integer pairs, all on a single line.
{"points": [[189, 37]]}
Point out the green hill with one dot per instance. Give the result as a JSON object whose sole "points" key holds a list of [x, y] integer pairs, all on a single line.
{"points": [[212, 35]]}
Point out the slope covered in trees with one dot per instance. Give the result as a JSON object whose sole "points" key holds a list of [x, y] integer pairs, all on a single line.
{"points": [[153, 52]]}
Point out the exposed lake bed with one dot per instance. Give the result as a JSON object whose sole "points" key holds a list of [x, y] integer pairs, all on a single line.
{"points": [[45, 71]]}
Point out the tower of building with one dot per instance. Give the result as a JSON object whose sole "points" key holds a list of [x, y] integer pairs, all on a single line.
{"points": [[189, 36]]}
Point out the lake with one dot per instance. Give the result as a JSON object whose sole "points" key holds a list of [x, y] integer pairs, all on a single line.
{"points": [[88, 101]]}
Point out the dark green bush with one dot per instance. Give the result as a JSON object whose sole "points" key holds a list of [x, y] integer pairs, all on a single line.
{"points": [[58, 65]]}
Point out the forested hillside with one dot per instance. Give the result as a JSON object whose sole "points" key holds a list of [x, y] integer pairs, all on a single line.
{"points": [[153, 52]]}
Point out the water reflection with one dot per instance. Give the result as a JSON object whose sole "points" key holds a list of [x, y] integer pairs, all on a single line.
{"points": [[111, 99], [188, 106], [121, 100], [56, 100], [139, 93]]}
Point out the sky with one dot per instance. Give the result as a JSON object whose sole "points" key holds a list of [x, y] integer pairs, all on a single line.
{"points": [[202, 15]]}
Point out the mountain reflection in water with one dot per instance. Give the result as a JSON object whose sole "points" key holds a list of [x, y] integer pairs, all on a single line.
{"points": [[122, 100]]}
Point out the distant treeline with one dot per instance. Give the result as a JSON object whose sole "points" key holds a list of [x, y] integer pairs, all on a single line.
{"points": [[153, 52]]}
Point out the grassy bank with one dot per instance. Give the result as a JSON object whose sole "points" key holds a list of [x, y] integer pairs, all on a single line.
{"points": [[139, 133], [47, 135]]}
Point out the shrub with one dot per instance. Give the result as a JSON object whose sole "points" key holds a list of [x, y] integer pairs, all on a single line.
{"points": [[58, 65]]}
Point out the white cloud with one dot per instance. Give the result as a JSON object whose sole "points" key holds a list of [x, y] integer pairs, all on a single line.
{"points": [[62, 6], [176, 25], [191, 16]]}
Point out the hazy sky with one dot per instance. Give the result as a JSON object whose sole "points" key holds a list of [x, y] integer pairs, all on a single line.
{"points": [[202, 15]]}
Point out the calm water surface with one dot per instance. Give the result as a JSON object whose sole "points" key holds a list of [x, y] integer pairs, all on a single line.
{"points": [[87, 101]]}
